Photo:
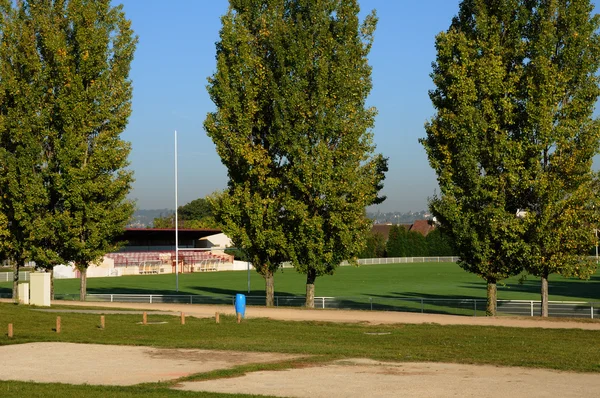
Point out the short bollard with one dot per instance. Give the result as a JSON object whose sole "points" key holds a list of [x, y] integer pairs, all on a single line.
{"points": [[57, 324], [217, 320], [144, 318], [239, 318], [102, 324], [183, 318], [10, 330]]}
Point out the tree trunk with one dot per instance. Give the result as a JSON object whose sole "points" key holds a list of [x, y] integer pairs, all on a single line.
{"points": [[492, 296], [15, 292], [545, 295], [311, 275], [83, 283], [270, 288], [51, 283]]}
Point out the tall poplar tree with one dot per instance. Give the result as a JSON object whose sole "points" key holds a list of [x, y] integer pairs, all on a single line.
{"points": [[246, 129], [474, 141], [293, 130], [22, 192], [513, 138], [333, 173], [87, 47], [560, 135]]}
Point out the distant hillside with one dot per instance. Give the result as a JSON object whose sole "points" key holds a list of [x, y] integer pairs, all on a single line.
{"points": [[396, 217], [144, 218]]}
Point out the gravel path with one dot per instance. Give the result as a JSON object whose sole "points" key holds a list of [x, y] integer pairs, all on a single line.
{"points": [[366, 378], [348, 316], [117, 365]]}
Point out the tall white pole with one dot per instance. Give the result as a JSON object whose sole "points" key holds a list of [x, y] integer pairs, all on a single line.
{"points": [[176, 224]]}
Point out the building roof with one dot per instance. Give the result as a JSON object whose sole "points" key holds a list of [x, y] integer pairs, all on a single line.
{"points": [[166, 233], [422, 226], [384, 229]]}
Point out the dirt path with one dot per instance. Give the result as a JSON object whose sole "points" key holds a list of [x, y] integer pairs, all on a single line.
{"points": [[117, 365], [348, 316], [366, 378], [127, 365]]}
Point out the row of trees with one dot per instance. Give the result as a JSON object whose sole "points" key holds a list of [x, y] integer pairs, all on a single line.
{"points": [[196, 214], [404, 243], [65, 97], [293, 129], [514, 138]]}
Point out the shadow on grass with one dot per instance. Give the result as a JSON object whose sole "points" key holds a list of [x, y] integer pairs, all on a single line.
{"points": [[576, 289]]}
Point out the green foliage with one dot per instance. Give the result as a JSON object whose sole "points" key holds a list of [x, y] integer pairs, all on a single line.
{"points": [[67, 99], [473, 142], [375, 246], [292, 129], [396, 243], [197, 209], [241, 128], [332, 172], [558, 189], [515, 91], [164, 222], [87, 47], [196, 214], [439, 244], [405, 243], [22, 119]]}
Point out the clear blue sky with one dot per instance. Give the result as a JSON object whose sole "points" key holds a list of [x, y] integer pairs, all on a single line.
{"points": [[176, 53]]}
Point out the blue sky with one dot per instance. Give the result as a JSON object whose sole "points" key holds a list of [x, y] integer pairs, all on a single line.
{"points": [[176, 53]]}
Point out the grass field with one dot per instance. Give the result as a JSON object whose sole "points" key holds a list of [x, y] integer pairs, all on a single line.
{"points": [[422, 280], [566, 349]]}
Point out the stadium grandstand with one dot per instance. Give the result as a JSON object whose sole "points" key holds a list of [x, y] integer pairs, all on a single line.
{"points": [[152, 251]]}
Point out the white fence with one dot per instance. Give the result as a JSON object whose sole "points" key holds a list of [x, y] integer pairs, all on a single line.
{"points": [[393, 260], [403, 260], [8, 276]]}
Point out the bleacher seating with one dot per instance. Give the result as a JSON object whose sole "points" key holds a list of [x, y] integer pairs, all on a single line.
{"points": [[151, 261]]}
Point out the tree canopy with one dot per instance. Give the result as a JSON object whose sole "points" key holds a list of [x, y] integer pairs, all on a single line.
{"points": [[293, 130], [193, 215], [514, 135], [558, 189], [473, 141], [68, 63]]}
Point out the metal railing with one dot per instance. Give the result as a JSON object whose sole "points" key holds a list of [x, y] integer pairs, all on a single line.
{"points": [[394, 260], [469, 307], [404, 260]]}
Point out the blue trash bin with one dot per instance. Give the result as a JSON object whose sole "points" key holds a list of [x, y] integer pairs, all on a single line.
{"points": [[240, 304]]}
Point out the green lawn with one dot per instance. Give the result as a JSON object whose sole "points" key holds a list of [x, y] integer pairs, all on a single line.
{"points": [[567, 349], [426, 280], [562, 349]]}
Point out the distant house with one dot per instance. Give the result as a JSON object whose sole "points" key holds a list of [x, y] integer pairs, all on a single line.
{"points": [[422, 226]]}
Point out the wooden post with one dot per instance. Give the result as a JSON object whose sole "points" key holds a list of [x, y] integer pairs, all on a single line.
{"points": [[57, 324], [10, 330], [239, 318], [183, 318], [102, 324], [217, 320], [145, 318]]}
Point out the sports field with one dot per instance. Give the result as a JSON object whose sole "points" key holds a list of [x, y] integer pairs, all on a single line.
{"points": [[418, 280], [326, 357]]}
